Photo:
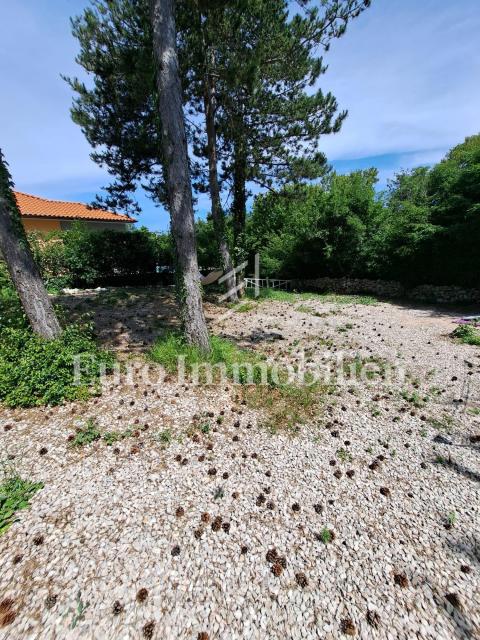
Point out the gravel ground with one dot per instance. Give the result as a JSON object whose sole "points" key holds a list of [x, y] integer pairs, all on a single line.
{"points": [[175, 532]]}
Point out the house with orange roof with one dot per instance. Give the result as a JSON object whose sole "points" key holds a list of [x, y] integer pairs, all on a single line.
{"points": [[41, 214]]}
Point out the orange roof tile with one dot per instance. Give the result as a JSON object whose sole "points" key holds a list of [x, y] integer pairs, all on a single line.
{"points": [[43, 208]]}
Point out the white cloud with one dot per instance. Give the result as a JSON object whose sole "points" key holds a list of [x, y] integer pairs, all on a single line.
{"points": [[408, 74]]}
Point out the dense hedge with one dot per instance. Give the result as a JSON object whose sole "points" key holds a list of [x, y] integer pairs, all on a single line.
{"points": [[83, 258]]}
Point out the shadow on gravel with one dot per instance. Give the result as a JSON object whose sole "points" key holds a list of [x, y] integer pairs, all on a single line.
{"points": [[264, 336], [469, 547], [463, 627], [464, 548], [126, 318], [432, 310], [462, 470]]}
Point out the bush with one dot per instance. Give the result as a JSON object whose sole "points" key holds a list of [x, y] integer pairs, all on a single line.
{"points": [[467, 334], [34, 371], [423, 229]]}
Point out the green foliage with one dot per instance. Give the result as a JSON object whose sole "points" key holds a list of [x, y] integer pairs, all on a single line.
{"points": [[304, 308], [307, 231], [245, 307], [34, 371], [207, 248], [467, 334], [343, 455], [165, 436], [15, 494], [370, 368], [224, 353], [78, 614], [452, 518], [265, 58], [340, 299], [87, 434], [413, 397], [423, 230], [110, 437], [267, 293], [80, 257], [7, 195]]}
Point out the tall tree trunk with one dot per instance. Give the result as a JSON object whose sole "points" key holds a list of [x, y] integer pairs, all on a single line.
{"points": [[239, 205], [179, 188], [209, 101], [20, 263]]}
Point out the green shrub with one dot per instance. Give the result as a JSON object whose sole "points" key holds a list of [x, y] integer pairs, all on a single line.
{"points": [[34, 371], [15, 494], [467, 334]]}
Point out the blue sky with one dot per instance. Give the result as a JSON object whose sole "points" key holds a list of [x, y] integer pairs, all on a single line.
{"points": [[407, 71]]}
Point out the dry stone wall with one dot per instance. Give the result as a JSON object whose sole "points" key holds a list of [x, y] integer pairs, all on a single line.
{"points": [[390, 289]]}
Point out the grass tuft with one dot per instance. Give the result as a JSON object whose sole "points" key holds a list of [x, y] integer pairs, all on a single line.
{"points": [[245, 307], [15, 494], [287, 407], [225, 357], [295, 297], [325, 535], [164, 437]]}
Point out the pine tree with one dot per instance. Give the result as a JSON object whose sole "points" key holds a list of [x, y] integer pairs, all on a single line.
{"points": [[120, 117], [178, 185], [247, 68], [271, 120], [200, 71]]}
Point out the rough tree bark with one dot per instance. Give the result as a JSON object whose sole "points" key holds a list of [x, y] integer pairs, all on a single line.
{"points": [[20, 263], [239, 204], [179, 188], [217, 211]]}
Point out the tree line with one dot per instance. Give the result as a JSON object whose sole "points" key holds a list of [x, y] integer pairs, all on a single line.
{"points": [[423, 229]]}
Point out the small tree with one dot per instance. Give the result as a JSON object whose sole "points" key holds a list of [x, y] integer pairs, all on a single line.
{"points": [[20, 263]]}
